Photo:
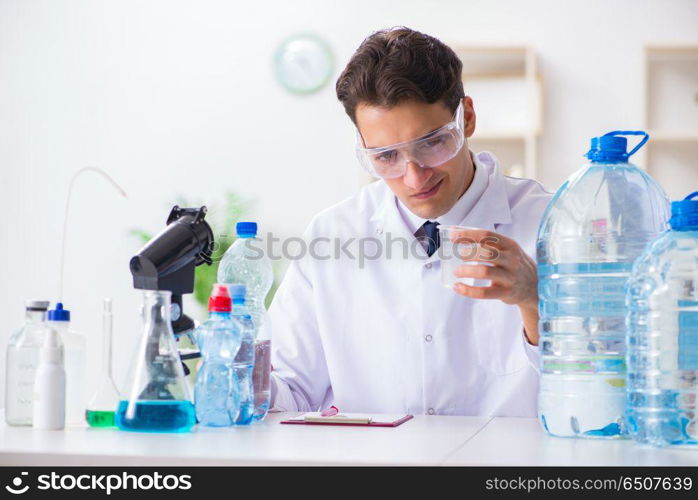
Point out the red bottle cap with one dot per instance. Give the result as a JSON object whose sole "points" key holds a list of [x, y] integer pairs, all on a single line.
{"points": [[219, 301]]}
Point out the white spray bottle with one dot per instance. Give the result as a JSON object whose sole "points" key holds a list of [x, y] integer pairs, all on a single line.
{"points": [[49, 385]]}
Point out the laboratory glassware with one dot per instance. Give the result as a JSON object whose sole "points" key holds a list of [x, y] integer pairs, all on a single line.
{"points": [[455, 254], [103, 403], [21, 363], [159, 397]]}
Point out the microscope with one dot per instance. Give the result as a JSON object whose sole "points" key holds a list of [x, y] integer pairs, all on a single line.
{"points": [[168, 261]]}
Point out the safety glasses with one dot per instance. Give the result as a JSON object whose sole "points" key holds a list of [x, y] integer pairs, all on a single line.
{"points": [[428, 151]]}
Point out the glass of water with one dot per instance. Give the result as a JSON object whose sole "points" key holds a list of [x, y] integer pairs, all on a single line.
{"points": [[454, 255]]}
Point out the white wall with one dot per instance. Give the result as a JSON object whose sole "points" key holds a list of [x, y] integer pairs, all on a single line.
{"points": [[178, 98]]}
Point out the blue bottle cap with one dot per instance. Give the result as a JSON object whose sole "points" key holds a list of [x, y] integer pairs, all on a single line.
{"points": [[237, 292], [246, 229], [613, 147], [59, 314], [684, 213]]}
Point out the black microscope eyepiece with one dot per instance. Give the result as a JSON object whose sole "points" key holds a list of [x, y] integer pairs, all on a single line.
{"points": [[167, 261]]}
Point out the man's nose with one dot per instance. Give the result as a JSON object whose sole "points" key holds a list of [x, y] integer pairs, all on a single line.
{"points": [[415, 176]]}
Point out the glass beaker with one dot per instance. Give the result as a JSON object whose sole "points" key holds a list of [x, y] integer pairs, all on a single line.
{"points": [[464, 252], [159, 397], [100, 410]]}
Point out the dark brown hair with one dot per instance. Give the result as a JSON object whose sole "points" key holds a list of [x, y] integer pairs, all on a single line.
{"points": [[398, 64]]}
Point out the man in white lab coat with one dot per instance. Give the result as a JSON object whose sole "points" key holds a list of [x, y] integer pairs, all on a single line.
{"points": [[362, 320]]}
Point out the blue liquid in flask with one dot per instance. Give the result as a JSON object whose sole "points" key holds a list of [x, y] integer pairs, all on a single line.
{"points": [[156, 416]]}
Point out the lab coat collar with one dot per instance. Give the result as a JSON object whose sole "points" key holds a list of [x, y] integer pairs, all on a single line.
{"points": [[493, 206], [490, 210]]}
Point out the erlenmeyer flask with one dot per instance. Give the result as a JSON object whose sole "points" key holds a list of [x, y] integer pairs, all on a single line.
{"points": [[159, 397], [100, 409]]}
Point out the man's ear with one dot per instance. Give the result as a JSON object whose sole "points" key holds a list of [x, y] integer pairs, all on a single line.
{"points": [[469, 116]]}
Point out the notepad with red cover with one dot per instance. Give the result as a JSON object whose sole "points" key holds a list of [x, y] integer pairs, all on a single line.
{"points": [[361, 419]]}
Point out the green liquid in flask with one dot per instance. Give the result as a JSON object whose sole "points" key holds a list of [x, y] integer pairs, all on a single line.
{"points": [[99, 418]]}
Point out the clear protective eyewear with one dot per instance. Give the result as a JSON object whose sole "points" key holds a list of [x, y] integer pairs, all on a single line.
{"points": [[428, 151]]}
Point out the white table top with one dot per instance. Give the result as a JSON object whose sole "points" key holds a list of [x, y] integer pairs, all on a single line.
{"points": [[421, 441], [521, 442], [424, 440]]}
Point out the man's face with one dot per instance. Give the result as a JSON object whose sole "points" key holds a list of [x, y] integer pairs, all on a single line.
{"points": [[426, 192]]}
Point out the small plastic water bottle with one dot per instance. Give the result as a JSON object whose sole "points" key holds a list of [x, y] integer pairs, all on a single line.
{"points": [[663, 335], [216, 394], [245, 262], [596, 225], [244, 361]]}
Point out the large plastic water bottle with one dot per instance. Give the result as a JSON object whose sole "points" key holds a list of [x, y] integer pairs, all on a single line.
{"points": [[216, 394], [593, 230], [244, 361], [663, 335], [245, 262]]}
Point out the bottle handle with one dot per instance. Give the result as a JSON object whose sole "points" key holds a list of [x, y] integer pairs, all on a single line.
{"points": [[642, 142], [691, 196]]}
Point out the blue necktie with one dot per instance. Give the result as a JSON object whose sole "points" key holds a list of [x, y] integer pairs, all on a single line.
{"points": [[431, 231]]}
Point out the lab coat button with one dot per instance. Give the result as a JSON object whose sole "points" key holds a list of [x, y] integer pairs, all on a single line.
{"points": [[428, 338], [431, 411], [428, 265], [379, 231]]}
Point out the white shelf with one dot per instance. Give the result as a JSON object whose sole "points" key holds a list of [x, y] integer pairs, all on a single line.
{"points": [[507, 95], [499, 136], [673, 136], [673, 164], [672, 88], [671, 117], [510, 151]]}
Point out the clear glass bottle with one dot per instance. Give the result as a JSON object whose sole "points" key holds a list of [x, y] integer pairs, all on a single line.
{"points": [[22, 362], [102, 405], [159, 397]]}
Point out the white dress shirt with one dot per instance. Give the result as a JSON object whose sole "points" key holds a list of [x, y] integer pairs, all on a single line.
{"points": [[380, 334]]}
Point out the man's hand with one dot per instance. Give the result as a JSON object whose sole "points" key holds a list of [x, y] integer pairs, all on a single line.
{"points": [[513, 275]]}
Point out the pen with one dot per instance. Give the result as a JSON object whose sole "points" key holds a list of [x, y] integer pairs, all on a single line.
{"points": [[329, 412]]}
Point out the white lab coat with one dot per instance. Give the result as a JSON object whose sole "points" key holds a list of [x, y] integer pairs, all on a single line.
{"points": [[388, 337]]}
